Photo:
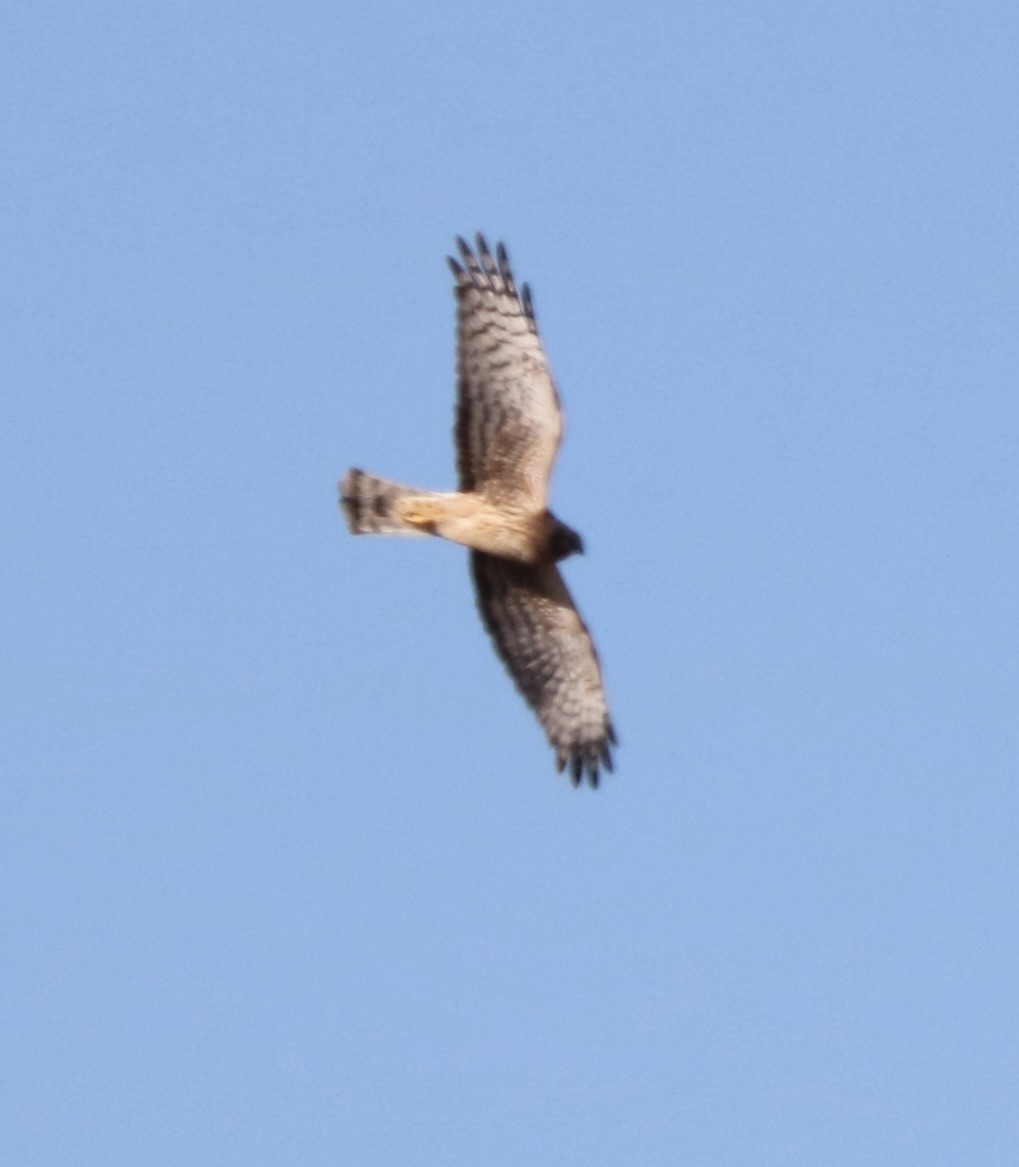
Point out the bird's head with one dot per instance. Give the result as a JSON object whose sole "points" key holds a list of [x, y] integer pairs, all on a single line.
{"points": [[564, 541]]}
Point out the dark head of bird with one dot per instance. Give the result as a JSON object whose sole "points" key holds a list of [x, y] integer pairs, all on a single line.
{"points": [[564, 541]]}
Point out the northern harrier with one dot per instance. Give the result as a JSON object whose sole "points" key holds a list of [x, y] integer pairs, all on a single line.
{"points": [[508, 429]]}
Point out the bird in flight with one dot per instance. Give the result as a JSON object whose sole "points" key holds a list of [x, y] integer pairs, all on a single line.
{"points": [[507, 433]]}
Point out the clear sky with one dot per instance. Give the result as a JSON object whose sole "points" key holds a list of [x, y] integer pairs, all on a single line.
{"points": [[286, 874]]}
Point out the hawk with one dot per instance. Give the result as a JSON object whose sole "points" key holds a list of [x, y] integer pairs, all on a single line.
{"points": [[507, 433]]}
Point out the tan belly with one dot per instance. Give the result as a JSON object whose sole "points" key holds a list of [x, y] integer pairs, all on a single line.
{"points": [[473, 521]]}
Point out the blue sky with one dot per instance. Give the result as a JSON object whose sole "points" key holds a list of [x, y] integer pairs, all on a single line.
{"points": [[286, 875]]}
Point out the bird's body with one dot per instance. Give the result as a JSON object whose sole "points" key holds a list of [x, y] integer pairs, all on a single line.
{"points": [[507, 433], [377, 506]]}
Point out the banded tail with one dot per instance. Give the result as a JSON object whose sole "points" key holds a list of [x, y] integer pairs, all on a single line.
{"points": [[369, 504]]}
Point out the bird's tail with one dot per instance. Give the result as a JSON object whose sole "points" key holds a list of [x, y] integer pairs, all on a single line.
{"points": [[369, 504]]}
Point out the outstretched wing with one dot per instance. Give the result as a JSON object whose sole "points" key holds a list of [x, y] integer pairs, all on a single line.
{"points": [[548, 651], [508, 421]]}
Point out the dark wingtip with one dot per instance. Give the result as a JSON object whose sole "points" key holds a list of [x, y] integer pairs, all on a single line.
{"points": [[527, 300], [586, 762]]}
